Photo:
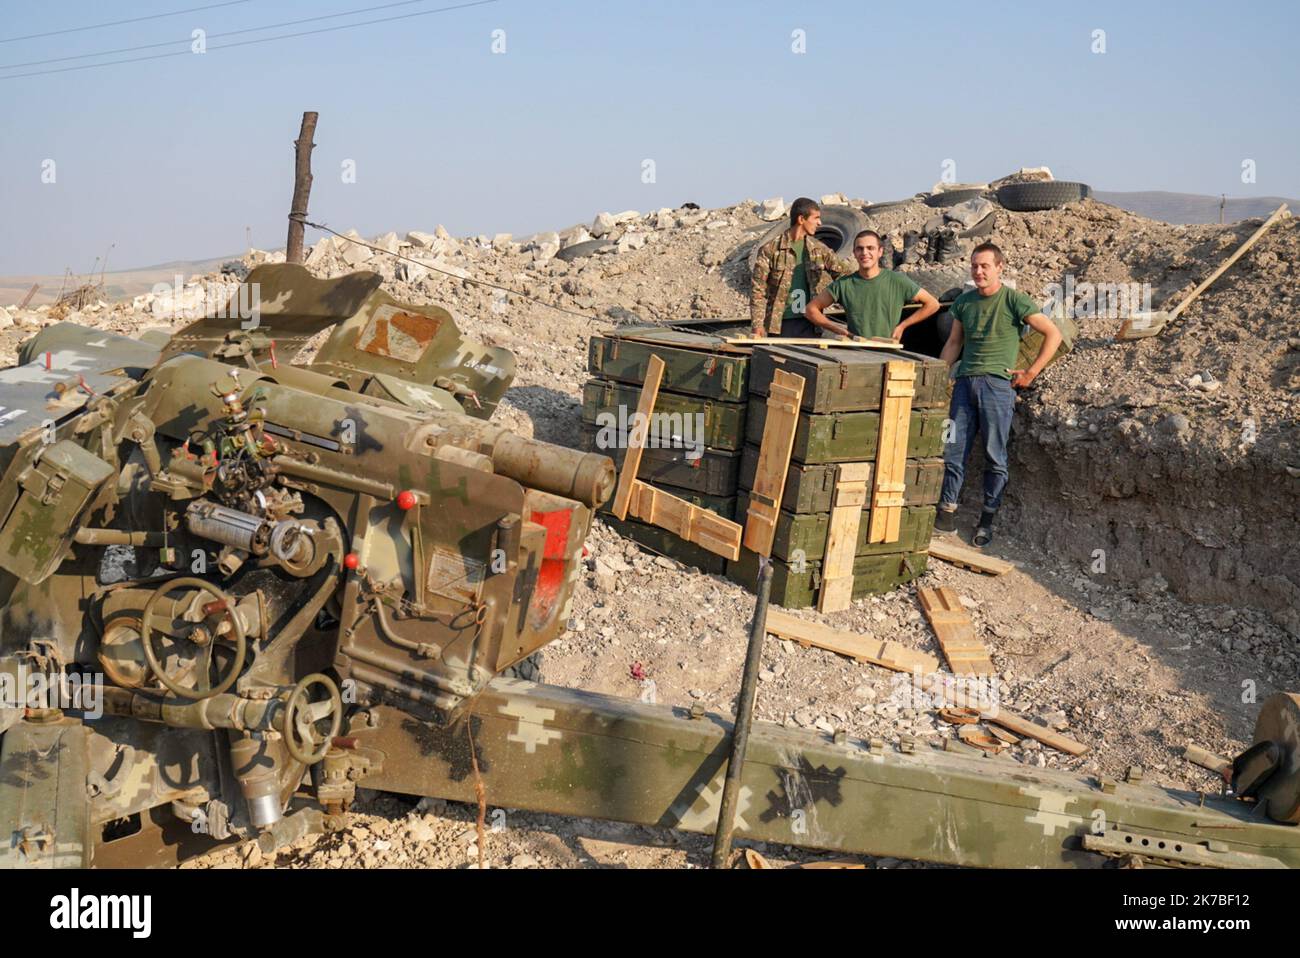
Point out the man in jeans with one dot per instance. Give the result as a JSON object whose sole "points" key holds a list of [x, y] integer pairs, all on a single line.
{"points": [[987, 321]]}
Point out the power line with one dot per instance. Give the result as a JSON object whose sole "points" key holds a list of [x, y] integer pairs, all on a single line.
{"points": [[244, 43], [211, 36], [118, 23]]}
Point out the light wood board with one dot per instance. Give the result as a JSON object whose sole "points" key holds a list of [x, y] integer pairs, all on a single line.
{"points": [[891, 452], [636, 439], [952, 625], [685, 520], [848, 500], [784, 397], [882, 652], [968, 558]]}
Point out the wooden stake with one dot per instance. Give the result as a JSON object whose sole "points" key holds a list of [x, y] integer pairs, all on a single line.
{"points": [[637, 437], [301, 187]]}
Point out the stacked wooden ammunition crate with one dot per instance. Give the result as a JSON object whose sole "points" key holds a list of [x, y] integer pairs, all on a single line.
{"points": [[702, 377], [838, 423]]}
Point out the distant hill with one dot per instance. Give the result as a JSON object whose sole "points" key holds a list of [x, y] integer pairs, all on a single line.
{"points": [[1192, 207]]}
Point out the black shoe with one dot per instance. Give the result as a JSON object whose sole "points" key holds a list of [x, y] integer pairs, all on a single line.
{"points": [[949, 246], [911, 250], [945, 520], [984, 531]]}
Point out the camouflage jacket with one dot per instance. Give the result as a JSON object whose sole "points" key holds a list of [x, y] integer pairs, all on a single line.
{"points": [[774, 271]]}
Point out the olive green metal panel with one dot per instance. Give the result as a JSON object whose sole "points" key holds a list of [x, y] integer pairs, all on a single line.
{"points": [[720, 425], [849, 436], [704, 371], [44, 807], [808, 488], [795, 584], [710, 471], [847, 379], [571, 752], [805, 533]]}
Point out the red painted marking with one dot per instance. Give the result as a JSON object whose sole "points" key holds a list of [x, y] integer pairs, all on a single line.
{"points": [[406, 500], [551, 575], [350, 561], [48, 358], [274, 364]]}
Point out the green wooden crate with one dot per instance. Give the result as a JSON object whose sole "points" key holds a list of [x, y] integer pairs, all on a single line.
{"points": [[809, 488], [807, 532], [849, 436], [714, 472], [1031, 341], [796, 588], [847, 380], [693, 364], [663, 542], [720, 425]]}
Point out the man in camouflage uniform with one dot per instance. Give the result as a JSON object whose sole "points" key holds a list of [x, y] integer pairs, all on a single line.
{"points": [[789, 272]]}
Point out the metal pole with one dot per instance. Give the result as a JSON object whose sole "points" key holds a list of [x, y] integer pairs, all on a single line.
{"points": [[744, 719]]}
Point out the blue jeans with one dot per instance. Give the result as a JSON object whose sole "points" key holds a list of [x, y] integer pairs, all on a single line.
{"points": [[981, 405]]}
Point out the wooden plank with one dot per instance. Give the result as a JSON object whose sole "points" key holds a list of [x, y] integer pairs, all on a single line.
{"points": [[1023, 727], [820, 342], [891, 452], [973, 559], [685, 520], [887, 654], [784, 397], [965, 653], [636, 440], [1280, 213], [848, 500]]}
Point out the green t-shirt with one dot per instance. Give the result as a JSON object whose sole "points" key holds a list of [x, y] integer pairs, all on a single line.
{"points": [[873, 306], [991, 328], [794, 306]]}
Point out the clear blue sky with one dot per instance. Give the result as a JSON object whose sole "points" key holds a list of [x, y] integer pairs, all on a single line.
{"points": [[173, 158]]}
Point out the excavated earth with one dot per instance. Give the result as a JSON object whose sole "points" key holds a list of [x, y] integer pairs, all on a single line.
{"points": [[1151, 520]]}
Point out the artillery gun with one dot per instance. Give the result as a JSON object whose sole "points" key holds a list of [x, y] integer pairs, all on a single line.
{"points": [[270, 583]]}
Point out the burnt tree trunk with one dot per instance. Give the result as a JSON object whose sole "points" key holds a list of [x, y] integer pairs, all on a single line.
{"points": [[301, 188]]}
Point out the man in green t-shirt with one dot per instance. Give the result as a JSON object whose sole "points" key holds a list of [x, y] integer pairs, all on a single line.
{"points": [[987, 322], [873, 298]]}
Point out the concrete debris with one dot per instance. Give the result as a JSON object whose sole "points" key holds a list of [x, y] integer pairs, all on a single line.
{"points": [[602, 225], [771, 209]]}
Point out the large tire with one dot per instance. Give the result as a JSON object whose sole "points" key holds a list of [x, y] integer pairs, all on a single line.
{"points": [[1031, 197], [579, 250], [952, 197], [839, 225]]}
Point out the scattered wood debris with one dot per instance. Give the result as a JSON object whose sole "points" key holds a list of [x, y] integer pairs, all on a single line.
{"points": [[968, 558], [965, 653], [882, 652]]}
